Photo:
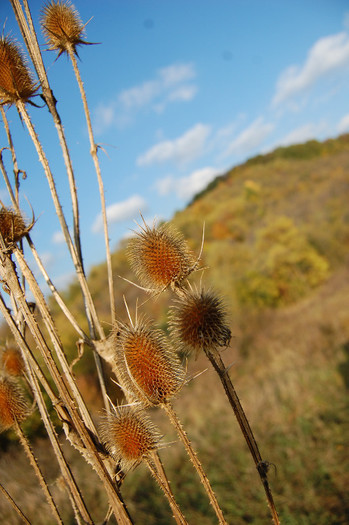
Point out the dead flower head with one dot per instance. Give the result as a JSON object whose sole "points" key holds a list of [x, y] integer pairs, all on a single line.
{"points": [[12, 361], [12, 225], [62, 27], [16, 81], [197, 321], [129, 436], [147, 367], [160, 257], [13, 405]]}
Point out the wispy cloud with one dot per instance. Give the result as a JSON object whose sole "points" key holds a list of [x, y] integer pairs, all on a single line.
{"points": [[58, 237], [250, 138], [302, 133], [327, 55], [121, 211], [183, 149], [343, 124], [173, 83], [186, 187]]}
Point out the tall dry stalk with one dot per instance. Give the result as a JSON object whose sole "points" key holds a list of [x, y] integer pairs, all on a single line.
{"points": [[149, 373]]}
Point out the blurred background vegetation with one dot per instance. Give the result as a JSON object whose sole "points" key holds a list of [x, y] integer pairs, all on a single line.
{"points": [[276, 248]]}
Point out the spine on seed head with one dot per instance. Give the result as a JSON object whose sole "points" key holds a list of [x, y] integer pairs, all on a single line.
{"points": [[147, 367], [13, 404]]}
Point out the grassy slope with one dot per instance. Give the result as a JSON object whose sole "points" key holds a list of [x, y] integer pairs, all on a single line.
{"points": [[291, 361]]}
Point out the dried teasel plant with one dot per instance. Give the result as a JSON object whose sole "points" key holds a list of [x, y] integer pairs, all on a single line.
{"points": [[198, 321], [160, 257], [62, 27], [13, 226], [151, 374], [14, 409], [16, 80], [11, 360], [131, 438]]}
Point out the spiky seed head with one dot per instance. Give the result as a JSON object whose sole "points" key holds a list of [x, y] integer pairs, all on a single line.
{"points": [[198, 321], [16, 80], [12, 361], [61, 26], [147, 367], [13, 405], [160, 257], [12, 225], [129, 436]]}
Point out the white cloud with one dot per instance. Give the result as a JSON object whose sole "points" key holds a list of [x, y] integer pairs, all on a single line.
{"points": [[343, 124], [58, 237], [302, 134], [328, 54], [183, 149], [186, 187], [121, 211], [169, 84], [250, 138]]}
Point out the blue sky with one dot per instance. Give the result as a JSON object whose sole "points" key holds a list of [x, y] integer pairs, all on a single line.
{"points": [[180, 91]]}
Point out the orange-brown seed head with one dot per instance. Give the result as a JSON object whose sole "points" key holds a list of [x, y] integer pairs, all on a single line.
{"points": [[12, 225], [148, 368], [16, 81], [197, 321], [61, 26], [160, 257], [12, 361], [129, 436], [13, 405]]}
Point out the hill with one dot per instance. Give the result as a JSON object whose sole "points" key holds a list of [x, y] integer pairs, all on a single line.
{"points": [[276, 248]]}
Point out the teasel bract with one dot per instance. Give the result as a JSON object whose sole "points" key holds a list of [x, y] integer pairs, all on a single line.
{"points": [[129, 436], [16, 80], [11, 360], [198, 321], [147, 367], [62, 27], [14, 407], [161, 257], [12, 225]]}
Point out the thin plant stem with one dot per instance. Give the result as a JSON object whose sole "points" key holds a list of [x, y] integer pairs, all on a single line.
{"points": [[14, 505], [34, 463], [168, 493], [240, 415], [94, 155], [194, 459], [72, 488]]}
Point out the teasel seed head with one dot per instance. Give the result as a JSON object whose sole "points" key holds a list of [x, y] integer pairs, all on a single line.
{"points": [[198, 321], [61, 26], [12, 361], [16, 80], [13, 405], [160, 257], [12, 225], [147, 367], [129, 436]]}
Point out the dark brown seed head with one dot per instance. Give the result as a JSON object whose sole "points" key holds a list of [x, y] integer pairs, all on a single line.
{"points": [[147, 367], [61, 26], [129, 436], [197, 321], [13, 405], [16, 81], [12, 361], [160, 257], [12, 225]]}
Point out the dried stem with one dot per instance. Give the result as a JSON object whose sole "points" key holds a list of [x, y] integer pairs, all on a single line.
{"points": [[194, 459], [34, 463], [94, 155], [178, 515], [14, 505], [239, 412]]}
